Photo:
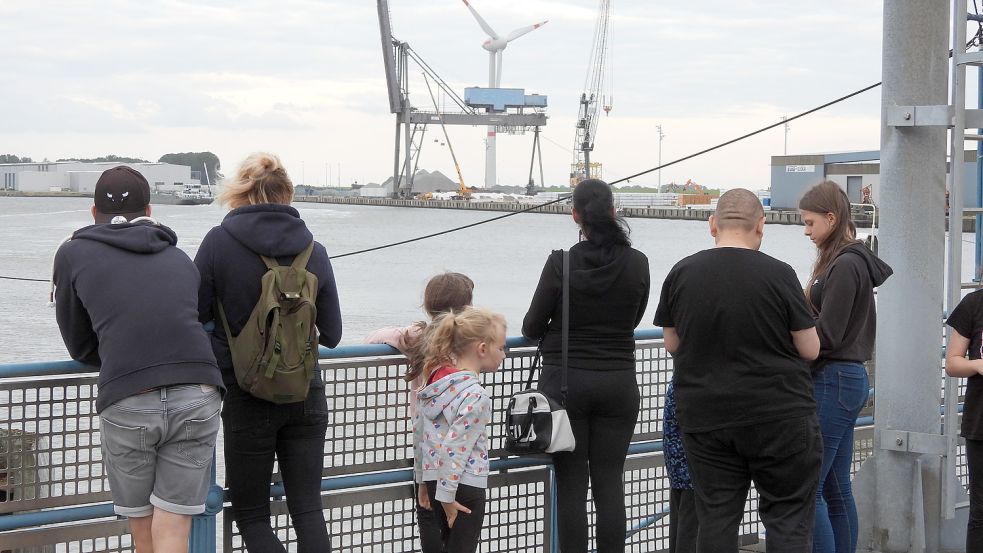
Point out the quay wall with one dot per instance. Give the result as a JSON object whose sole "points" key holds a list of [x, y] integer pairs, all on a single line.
{"points": [[660, 212], [779, 217], [58, 194]]}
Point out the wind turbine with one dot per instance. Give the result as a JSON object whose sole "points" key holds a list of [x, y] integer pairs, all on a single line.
{"points": [[495, 45]]}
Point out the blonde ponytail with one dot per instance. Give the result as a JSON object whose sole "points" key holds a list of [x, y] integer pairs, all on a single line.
{"points": [[452, 333]]}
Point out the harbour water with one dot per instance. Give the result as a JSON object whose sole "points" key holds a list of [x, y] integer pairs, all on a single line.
{"points": [[380, 288]]}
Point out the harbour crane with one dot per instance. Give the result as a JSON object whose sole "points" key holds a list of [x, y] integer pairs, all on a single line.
{"points": [[594, 95]]}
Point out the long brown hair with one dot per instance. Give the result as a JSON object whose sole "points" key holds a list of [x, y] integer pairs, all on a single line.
{"points": [[453, 332], [444, 292], [828, 197]]}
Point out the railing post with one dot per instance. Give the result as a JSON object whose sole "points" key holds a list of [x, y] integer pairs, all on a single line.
{"points": [[554, 534], [203, 526]]}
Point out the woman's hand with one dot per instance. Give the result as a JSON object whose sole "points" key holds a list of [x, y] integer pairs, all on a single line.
{"points": [[422, 497], [452, 509]]}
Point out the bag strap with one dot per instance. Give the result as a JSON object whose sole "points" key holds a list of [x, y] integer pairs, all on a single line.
{"points": [[535, 364], [225, 322], [565, 328], [299, 262]]}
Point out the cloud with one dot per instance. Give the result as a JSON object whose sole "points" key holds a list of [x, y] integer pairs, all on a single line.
{"points": [[305, 77]]}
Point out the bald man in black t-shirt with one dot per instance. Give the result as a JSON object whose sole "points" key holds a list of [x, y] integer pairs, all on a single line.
{"points": [[739, 331]]}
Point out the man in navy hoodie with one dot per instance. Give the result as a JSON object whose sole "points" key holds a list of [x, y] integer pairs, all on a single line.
{"points": [[127, 303]]}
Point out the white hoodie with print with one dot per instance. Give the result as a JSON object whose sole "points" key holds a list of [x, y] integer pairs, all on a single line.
{"points": [[450, 434]]}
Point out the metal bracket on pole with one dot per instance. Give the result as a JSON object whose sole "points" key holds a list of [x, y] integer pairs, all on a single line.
{"points": [[969, 58], [930, 116], [913, 442], [919, 116]]}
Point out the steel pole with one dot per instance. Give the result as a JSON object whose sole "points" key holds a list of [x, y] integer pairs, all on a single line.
{"points": [[979, 183], [895, 517], [395, 193]]}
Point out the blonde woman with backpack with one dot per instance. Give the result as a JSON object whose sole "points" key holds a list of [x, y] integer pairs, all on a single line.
{"points": [[262, 224]]}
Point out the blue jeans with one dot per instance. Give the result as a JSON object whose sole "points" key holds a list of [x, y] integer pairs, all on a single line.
{"points": [[840, 389]]}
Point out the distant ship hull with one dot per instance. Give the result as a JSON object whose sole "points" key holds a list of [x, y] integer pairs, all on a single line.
{"points": [[175, 199]]}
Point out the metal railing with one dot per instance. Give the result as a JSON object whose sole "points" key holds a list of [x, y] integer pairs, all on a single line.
{"points": [[54, 495]]}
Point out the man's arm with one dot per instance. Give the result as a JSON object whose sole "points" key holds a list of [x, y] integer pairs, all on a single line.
{"points": [[806, 343], [663, 315], [671, 338], [73, 319]]}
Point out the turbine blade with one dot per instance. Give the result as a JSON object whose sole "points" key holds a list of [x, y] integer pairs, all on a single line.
{"points": [[524, 30], [485, 26]]}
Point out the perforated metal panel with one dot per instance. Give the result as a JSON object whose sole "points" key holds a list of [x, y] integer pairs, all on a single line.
{"points": [[50, 457], [49, 444]]}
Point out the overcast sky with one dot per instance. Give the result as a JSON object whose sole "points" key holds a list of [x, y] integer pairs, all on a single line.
{"points": [[304, 79]]}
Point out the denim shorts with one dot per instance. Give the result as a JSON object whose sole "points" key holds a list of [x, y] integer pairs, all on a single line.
{"points": [[157, 447]]}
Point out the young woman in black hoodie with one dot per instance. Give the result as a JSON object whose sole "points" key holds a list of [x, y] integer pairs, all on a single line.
{"points": [[262, 223], [841, 295], [609, 288]]}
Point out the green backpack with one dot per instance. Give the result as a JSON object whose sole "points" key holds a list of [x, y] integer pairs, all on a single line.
{"points": [[275, 353]]}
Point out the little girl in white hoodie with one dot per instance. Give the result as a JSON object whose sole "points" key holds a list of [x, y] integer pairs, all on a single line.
{"points": [[444, 292], [454, 410]]}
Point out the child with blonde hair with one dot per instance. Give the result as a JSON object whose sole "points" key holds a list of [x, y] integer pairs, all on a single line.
{"points": [[450, 432], [444, 292]]}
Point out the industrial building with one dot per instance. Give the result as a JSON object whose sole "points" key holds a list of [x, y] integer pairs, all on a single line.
{"points": [[78, 176], [858, 173]]}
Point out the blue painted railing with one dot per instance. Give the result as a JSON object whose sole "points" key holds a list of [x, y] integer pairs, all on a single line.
{"points": [[204, 531]]}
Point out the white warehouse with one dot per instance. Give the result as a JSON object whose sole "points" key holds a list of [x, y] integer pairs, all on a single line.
{"points": [[77, 176]]}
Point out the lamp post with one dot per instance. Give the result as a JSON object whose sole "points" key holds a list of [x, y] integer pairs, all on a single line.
{"points": [[785, 120], [661, 136]]}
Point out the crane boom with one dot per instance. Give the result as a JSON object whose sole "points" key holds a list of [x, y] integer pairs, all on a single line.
{"points": [[591, 98]]}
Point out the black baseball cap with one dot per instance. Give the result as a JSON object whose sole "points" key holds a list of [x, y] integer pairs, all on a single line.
{"points": [[121, 191]]}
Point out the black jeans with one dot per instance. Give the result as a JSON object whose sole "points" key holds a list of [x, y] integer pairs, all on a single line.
{"points": [[974, 462], [258, 431], [684, 526], [431, 534], [464, 536], [603, 407], [782, 458]]}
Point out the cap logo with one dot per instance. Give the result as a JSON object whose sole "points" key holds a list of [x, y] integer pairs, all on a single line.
{"points": [[113, 199]]}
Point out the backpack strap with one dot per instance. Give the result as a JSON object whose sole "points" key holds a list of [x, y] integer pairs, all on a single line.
{"points": [[299, 262], [225, 321]]}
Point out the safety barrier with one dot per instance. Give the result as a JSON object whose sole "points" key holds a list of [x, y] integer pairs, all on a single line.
{"points": [[54, 495]]}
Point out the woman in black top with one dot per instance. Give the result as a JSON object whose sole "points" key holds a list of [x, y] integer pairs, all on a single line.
{"points": [[262, 223], [841, 295], [609, 288], [966, 340]]}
